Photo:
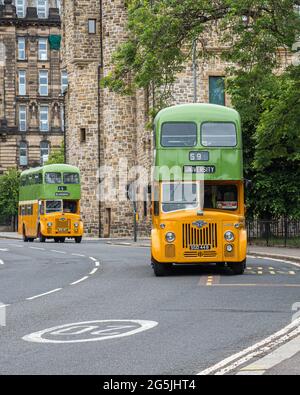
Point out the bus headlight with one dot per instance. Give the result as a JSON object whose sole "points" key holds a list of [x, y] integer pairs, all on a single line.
{"points": [[229, 248], [76, 225], [229, 236], [49, 224], [170, 237]]}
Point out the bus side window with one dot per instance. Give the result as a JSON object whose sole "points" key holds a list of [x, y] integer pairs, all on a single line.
{"points": [[155, 195], [23, 211], [30, 209], [42, 208]]}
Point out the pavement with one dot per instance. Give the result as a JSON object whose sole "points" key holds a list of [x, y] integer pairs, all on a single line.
{"points": [[126, 321]]}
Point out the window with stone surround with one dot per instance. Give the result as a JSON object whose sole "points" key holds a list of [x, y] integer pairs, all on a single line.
{"points": [[92, 26], [62, 117], [58, 5], [64, 81], [43, 49], [21, 6], [23, 154], [22, 119], [43, 83], [44, 119], [22, 82], [21, 48], [45, 151], [42, 9], [217, 90]]}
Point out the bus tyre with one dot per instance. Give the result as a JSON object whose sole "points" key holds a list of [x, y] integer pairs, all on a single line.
{"points": [[78, 239], [62, 239], [25, 238], [161, 269], [238, 268], [41, 238], [56, 239]]}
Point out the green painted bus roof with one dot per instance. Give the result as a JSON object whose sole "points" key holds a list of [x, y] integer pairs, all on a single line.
{"points": [[197, 112], [228, 161], [51, 169]]}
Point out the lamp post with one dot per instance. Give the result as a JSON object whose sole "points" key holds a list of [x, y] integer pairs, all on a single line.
{"points": [[195, 70]]}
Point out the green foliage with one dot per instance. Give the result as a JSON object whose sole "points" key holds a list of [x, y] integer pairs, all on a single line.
{"points": [[161, 35], [270, 110], [9, 193], [57, 156]]}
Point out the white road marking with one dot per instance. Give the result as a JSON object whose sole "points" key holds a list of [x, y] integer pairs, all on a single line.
{"points": [[37, 248], [276, 259], [44, 294], [80, 280], [2, 306], [1, 262], [3, 249], [278, 356], [93, 331], [93, 259], [93, 271], [97, 264], [82, 256], [16, 245], [266, 345], [58, 252]]}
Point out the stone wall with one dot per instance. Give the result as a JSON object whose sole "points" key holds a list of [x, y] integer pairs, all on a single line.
{"points": [[82, 57]]}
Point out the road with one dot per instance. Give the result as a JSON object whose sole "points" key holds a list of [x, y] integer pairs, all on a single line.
{"points": [[191, 320]]}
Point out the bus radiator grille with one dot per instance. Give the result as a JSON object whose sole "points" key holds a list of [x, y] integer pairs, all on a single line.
{"points": [[63, 226], [207, 236]]}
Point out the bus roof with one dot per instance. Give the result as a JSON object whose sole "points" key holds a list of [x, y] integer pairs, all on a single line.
{"points": [[198, 112], [51, 169], [217, 163], [38, 189]]}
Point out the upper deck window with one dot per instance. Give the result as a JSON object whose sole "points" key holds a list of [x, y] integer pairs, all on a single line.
{"points": [[53, 178], [71, 178], [179, 134], [218, 134]]}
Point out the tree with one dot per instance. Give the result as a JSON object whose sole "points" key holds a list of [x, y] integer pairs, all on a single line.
{"points": [[161, 35], [269, 105], [57, 156], [9, 194]]}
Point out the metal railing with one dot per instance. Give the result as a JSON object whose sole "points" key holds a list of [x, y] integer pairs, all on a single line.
{"points": [[281, 233]]}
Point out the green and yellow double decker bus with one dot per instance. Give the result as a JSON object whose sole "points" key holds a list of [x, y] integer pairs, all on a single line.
{"points": [[49, 204], [198, 188]]}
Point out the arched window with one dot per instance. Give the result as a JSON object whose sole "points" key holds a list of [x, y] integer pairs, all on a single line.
{"points": [[45, 151], [23, 153]]}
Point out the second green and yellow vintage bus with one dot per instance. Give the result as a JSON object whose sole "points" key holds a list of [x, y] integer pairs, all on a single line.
{"points": [[198, 208], [49, 204]]}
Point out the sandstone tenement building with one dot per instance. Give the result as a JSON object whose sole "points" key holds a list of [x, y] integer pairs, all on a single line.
{"points": [[31, 82], [101, 126]]}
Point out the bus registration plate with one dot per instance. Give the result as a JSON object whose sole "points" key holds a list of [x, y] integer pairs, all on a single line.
{"points": [[200, 247]]}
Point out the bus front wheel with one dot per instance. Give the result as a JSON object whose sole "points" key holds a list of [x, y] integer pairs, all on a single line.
{"points": [[41, 238], [238, 268], [78, 239], [161, 269], [25, 238]]}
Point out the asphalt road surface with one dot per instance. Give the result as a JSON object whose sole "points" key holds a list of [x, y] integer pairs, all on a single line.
{"points": [[125, 320]]}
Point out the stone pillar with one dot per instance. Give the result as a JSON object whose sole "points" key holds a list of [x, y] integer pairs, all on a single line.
{"points": [[82, 56], [118, 122]]}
